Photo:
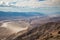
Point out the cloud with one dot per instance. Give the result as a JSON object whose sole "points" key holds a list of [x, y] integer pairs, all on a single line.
{"points": [[7, 4], [54, 15], [30, 3], [41, 0], [43, 6]]}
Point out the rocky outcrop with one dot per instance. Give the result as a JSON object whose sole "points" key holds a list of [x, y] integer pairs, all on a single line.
{"points": [[25, 31], [48, 31]]}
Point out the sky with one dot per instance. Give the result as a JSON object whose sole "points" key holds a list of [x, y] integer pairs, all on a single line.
{"points": [[42, 6]]}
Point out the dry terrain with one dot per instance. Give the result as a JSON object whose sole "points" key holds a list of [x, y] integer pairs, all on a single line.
{"points": [[31, 29]]}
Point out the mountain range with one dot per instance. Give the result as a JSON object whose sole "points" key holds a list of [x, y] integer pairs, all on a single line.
{"points": [[25, 14], [15, 15]]}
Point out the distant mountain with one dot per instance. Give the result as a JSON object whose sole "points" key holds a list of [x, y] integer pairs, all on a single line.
{"points": [[25, 14], [15, 15]]}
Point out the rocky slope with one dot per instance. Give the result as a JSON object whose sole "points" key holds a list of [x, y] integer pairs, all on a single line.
{"points": [[47, 31], [35, 28]]}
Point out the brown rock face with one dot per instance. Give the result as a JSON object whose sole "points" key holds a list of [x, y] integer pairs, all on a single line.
{"points": [[48, 31]]}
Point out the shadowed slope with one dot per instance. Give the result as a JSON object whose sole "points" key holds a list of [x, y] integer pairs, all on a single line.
{"points": [[48, 31]]}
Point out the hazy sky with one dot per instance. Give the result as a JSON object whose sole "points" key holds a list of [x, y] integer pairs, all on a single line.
{"points": [[43, 6]]}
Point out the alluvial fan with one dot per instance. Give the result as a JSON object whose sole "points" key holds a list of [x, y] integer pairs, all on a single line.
{"points": [[9, 29]]}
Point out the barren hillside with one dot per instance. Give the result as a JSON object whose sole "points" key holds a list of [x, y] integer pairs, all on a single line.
{"points": [[47, 31], [31, 29]]}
